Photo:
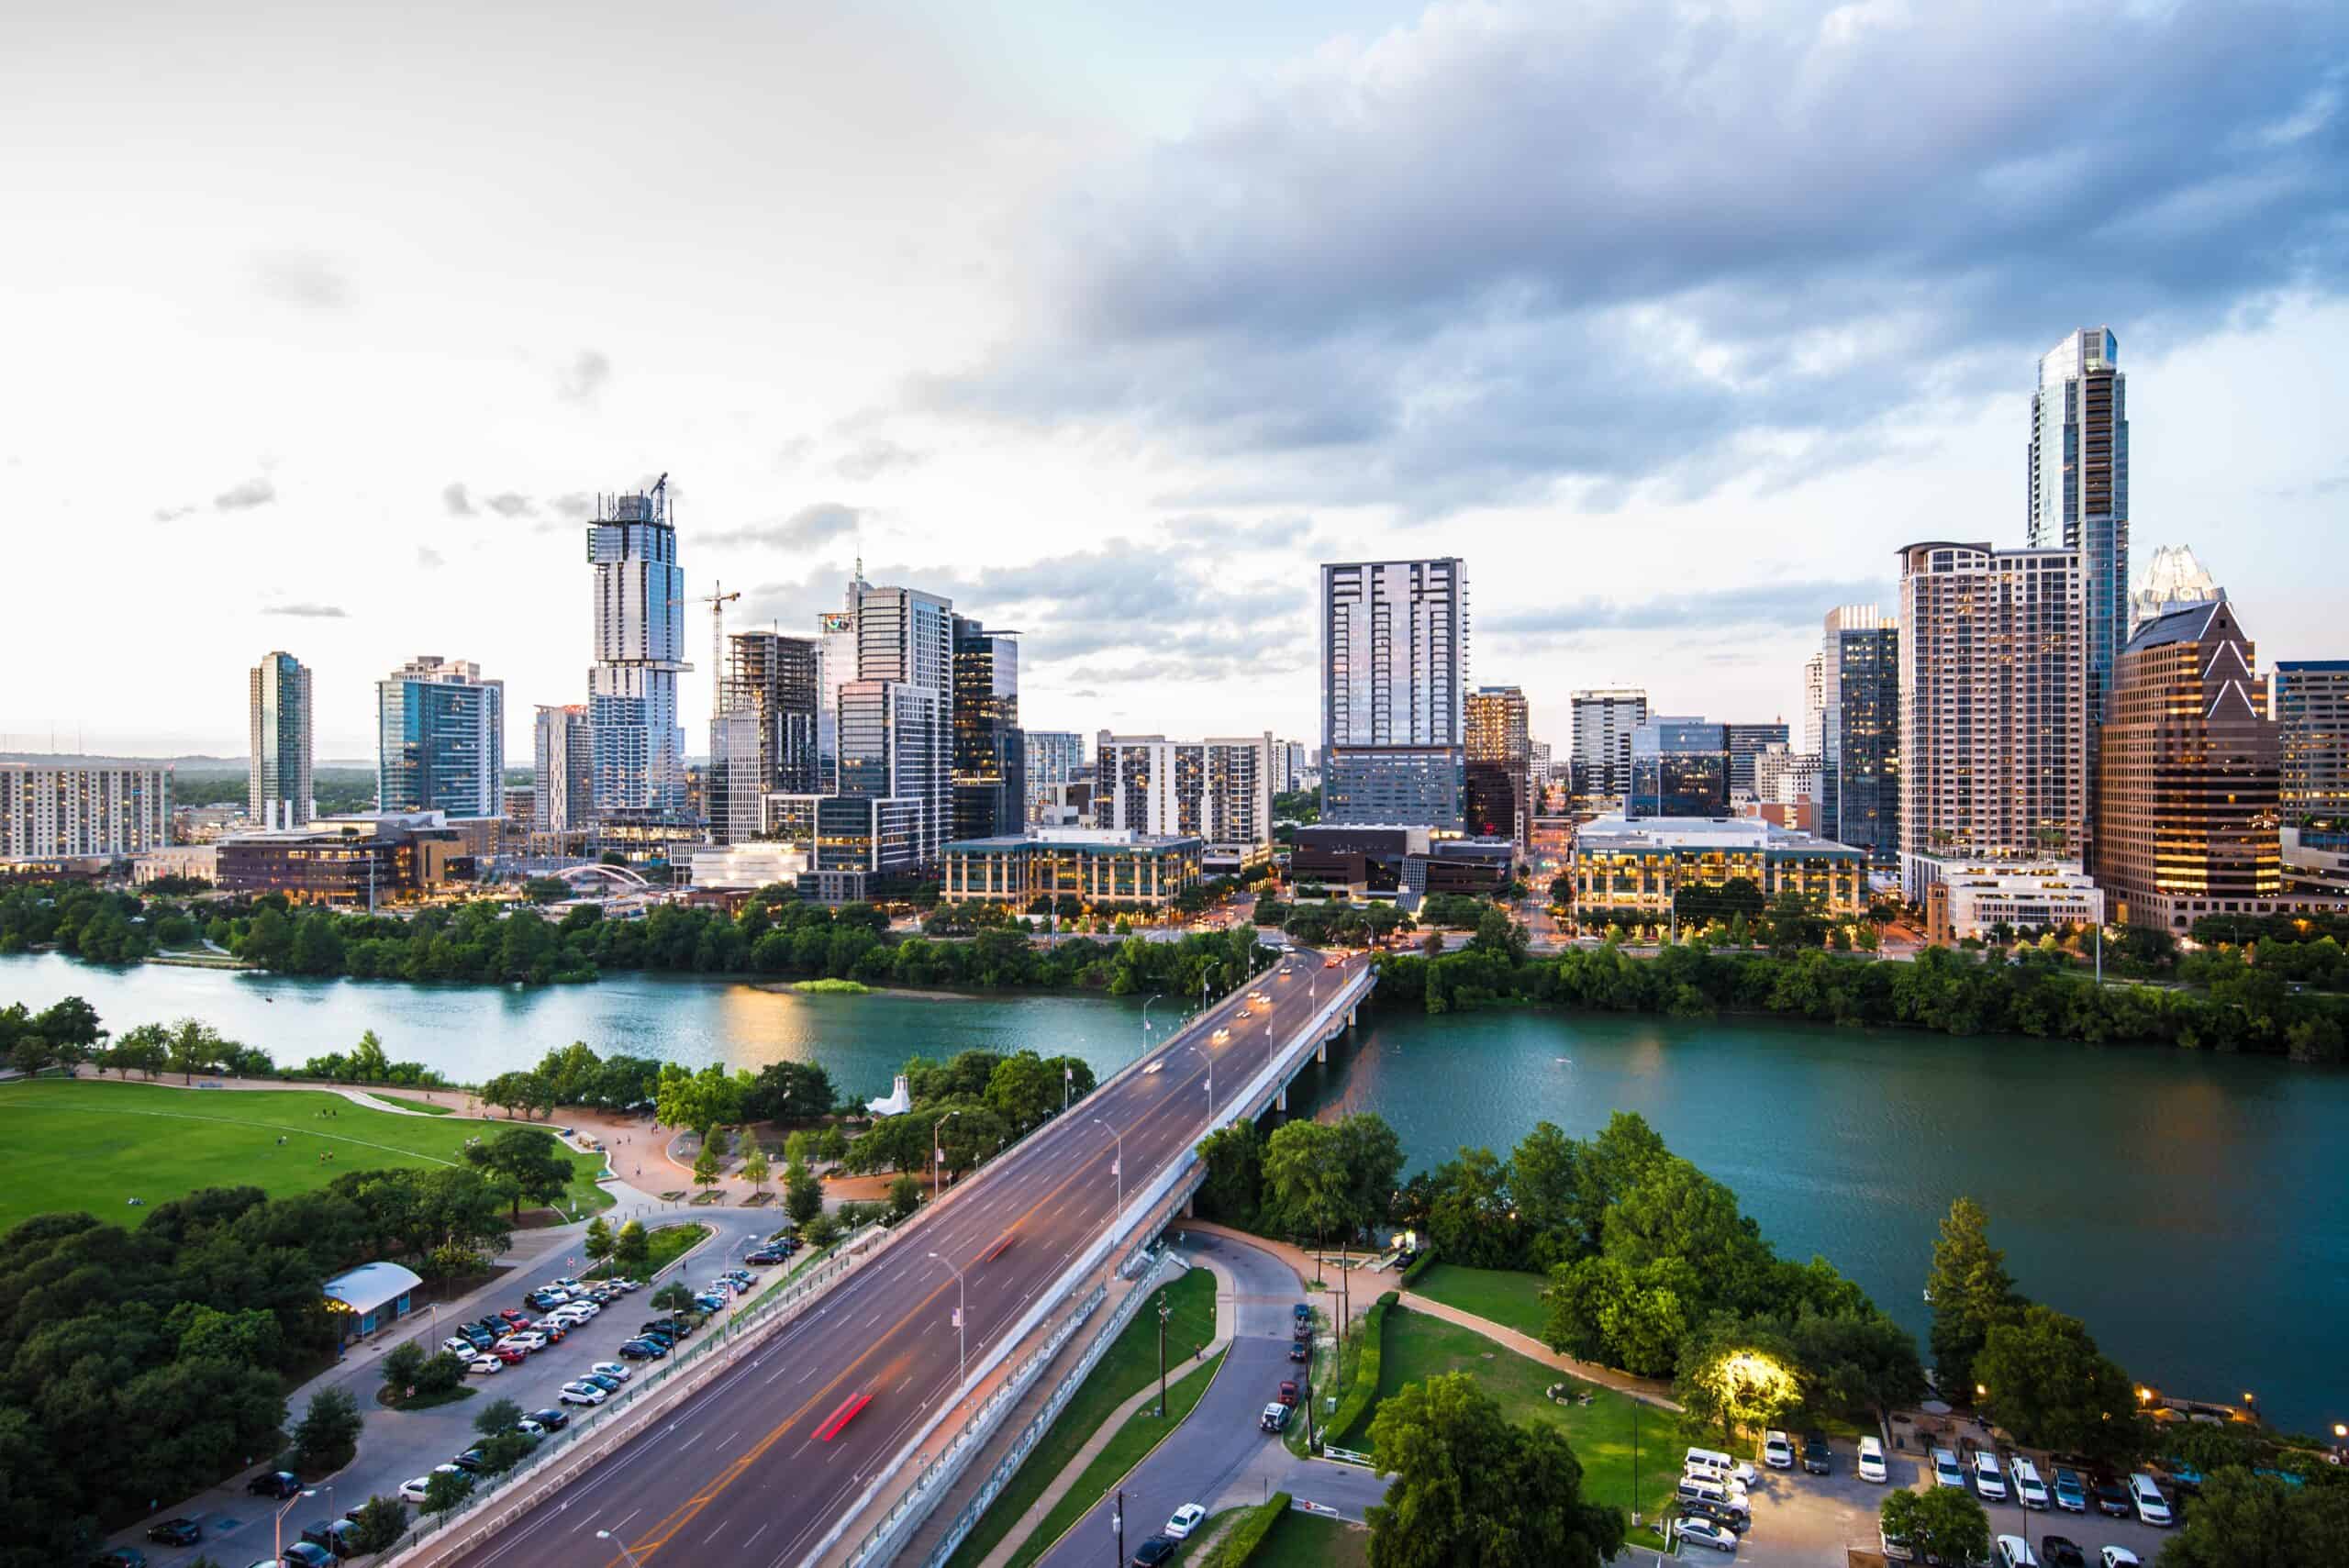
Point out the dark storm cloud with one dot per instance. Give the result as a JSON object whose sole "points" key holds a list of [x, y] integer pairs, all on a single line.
{"points": [[804, 529], [1624, 244]]}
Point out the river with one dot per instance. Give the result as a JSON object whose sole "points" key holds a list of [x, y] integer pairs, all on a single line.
{"points": [[2191, 1208]]}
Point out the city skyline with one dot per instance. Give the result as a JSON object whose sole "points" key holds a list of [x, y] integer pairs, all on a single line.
{"points": [[952, 390]]}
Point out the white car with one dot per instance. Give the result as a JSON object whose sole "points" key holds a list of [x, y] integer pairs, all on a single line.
{"points": [[485, 1366], [1705, 1532], [457, 1347], [532, 1428], [1945, 1470], [2118, 1557], [414, 1490], [1988, 1479], [611, 1369], [1777, 1451], [1871, 1463], [583, 1393], [2151, 1506], [582, 1310], [2014, 1551], [2030, 1490], [1187, 1519], [527, 1340]]}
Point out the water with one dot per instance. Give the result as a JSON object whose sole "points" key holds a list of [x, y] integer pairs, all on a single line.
{"points": [[2192, 1209]]}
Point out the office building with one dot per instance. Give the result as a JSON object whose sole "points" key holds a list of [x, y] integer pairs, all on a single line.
{"points": [[849, 834], [2187, 807], [359, 859], [278, 793], [1744, 742], [1406, 863], [639, 748], [1859, 731], [1988, 900], [835, 667], [1394, 690], [59, 811], [1604, 720], [1051, 758], [441, 731], [2170, 580], [990, 765], [1641, 866], [1786, 789], [1991, 654], [895, 745], [1292, 770], [1102, 865], [1219, 791], [1814, 701], [563, 785], [1679, 768], [1500, 798], [2310, 705]]}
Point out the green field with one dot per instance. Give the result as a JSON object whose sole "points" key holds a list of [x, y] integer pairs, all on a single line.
{"points": [[1418, 1347], [94, 1145], [1506, 1296], [1308, 1540]]}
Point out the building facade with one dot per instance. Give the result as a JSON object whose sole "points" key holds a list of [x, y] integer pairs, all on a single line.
{"points": [[440, 739], [1744, 742], [1051, 758], [1096, 866], [2310, 704], [2078, 492], [895, 745], [51, 812], [1993, 686], [1859, 730], [563, 783], [1219, 791], [2171, 578], [1984, 901], [1679, 768], [764, 737], [990, 755], [1605, 720], [1394, 692], [1643, 865], [278, 792], [640, 746], [1500, 798]]}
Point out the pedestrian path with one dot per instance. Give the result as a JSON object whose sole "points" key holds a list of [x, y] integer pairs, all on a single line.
{"points": [[1649, 1391]]}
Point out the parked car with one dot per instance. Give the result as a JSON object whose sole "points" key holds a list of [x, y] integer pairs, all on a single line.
{"points": [[1187, 1519], [121, 1557], [334, 1537], [2111, 1496], [517, 1319], [2151, 1506], [175, 1532], [2071, 1492], [610, 1368], [1300, 1350], [472, 1462], [1945, 1470], [1707, 1532], [1895, 1547], [1716, 1465], [2014, 1551], [1154, 1550], [2061, 1552], [767, 1255], [1733, 1513], [457, 1345], [1776, 1452], [2117, 1557], [608, 1384], [1871, 1460], [1302, 1315], [1275, 1419], [1818, 1459], [307, 1554], [2030, 1490], [512, 1355], [278, 1484], [644, 1349], [413, 1489], [532, 1426], [552, 1419], [1989, 1479], [1288, 1392], [583, 1393]]}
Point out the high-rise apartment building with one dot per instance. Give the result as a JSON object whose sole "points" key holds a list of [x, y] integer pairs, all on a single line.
{"points": [[1859, 731], [1051, 759], [1746, 741], [896, 745], [764, 736], [1604, 721], [1992, 655], [640, 652], [64, 811], [1218, 790], [1499, 765], [1393, 690], [990, 761], [2312, 709], [2187, 824], [1814, 701], [563, 779], [440, 734], [278, 792], [1680, 767]]}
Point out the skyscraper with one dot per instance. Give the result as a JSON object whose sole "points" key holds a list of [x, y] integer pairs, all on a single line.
{"points": [[764, 736], [278, 793], [2312, 709], [1992, 685], [1499, 765], [1218, 790], [1393, 690], [93, 809], [564, 780], [1859, 732], [441, 730], [990, 761], [1052, 757], [1604, 721], [1746, 741], [632, 687], [2171, 578], [895, 745], [1680, 767]]}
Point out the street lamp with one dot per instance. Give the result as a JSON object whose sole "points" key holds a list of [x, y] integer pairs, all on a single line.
{"points": [[607, 1535], [277, 1526], [962, 1322], [937, 1154], [1145, 1020]]}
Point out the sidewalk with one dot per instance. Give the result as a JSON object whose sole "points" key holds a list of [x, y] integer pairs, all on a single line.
{"points": [[1648, 1391]]}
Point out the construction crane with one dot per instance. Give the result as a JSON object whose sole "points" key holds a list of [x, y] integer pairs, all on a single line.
{"points": [[716, 601]]}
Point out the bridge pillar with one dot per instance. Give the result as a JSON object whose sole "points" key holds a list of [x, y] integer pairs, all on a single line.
{"points": [[1280, 1099], [1350, 1014], [1321, 1051], [1189, 1209]]}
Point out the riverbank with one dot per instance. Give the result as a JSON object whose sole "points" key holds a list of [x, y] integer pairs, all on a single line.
{"points": [[911, 993]]}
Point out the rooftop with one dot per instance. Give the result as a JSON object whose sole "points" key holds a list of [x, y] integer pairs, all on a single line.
{"points": [[1618, 833], [371, 1286], [1078, 839]]}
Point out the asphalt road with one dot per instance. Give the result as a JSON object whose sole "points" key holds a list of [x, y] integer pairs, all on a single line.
{"points": [[739, 1474]]}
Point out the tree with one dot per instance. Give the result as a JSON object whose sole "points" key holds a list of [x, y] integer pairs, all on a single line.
{"points": [[832, 1145], [1946, 1524], [1971, 1291], [145, 1048], [442, 1371], [905, 1196], [2049, 1384], [401, 1363], [1469, 1486], [497, 1415], [528, 1160], [1305, 1175], [803, 1194], [446, 1490], [674, 1296], [369, 1063], [754, 1163], [327, 1434], [706, 1167], [1735, 1378], [631, 1249], [1234, 1157], [194, 1046], [380, 1521], [597, 1242], [2245, 1520]]}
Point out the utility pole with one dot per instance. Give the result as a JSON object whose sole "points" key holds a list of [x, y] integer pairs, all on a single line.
{"points": [[1118, 1523], [1165, 1312]]}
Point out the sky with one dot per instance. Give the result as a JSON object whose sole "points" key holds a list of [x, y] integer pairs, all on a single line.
{"points": [[323, 325]]}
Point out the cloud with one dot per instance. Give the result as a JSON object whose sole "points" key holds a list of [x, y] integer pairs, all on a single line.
{"points": [[577, 505], [1268, 533], [307, 611], [584, 380], [1792, 604], [429, 558], [804, 529], [240, 498], [303, 278], [1504, 255], [510, 503], [875, 457], [171, 514], [454, 497]]}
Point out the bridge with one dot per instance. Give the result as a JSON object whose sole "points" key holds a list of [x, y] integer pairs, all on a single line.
{"points": [[827, 1432]]}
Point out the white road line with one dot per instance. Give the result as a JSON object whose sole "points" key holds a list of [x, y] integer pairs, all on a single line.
{"points": [[728, 1441], [754, 1535]]}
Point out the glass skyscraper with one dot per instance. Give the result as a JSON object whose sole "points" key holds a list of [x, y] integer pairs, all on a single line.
{"points": [[990, 759], [278, 793], [441, 739], [632, 687], [1859, 740], [1679, 768]]}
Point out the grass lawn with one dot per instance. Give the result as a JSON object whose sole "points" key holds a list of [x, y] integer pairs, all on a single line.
{"points": [[1308, 1540], [426, 1106], [88, 1145], [1130, 1366], [1142, 1431], [1419, 1347], [1506, 1296]]}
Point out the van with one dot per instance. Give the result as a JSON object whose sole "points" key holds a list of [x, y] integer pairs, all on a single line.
{"points": [[1988, 1479], [2030, 1490], [1870, 1465], [2151, 1506], [1715, 1465]]}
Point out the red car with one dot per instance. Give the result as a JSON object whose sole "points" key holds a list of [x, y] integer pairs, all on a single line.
{"points": [[512, 1355], [517, 1319], [1288, 1393]]}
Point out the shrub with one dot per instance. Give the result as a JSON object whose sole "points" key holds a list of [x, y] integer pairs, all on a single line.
{"points": [[380, 1521], [328, 1435], [1356, 1403], [1419, 1264], [1240, 1544]]}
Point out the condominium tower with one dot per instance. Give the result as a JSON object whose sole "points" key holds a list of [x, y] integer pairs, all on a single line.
{"points": [[1500, 800], [563, 774], [1604, 721], [1218, 790], [440, 729], [278, 792], [2311, 710], [764, 737], [632, 687], [1859, 731], [1992, 687], [86, 808], [1051, 759], [990, 761], [1394, 692]]}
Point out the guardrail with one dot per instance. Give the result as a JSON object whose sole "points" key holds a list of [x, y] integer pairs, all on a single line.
{"points": [[1347, 1456]]}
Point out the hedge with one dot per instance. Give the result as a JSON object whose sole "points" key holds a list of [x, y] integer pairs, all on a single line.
{"points": [[1245, 1536], [1358, 1398], [1419, 1264]]}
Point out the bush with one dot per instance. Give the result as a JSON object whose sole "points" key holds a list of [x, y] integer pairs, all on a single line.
{"points": [[446, 1490], [1240, 1544], [1357, 1402], [497, 1415], [380, 1521], [401, 1365], [328, 1435], [1419, 1264], [441, 1372]]}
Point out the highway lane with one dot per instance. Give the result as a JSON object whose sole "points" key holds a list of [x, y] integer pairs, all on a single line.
{"points": [[753, 1469]]}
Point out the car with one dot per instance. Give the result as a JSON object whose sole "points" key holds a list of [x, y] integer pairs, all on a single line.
{"points": [[512, 1355], [608, 1384], [1733, 1515], [1330, 963], [2151, 1506], [2030, 1490], [1894, 1546], [457, 1345], [767, 1255], [545, 1300], [1187, 1519], [639, 1349], [530, 1426], [1288, 1392], [1219, 1036], [2060, 1551], [2071, 1492], [707, 1302], [2111, 1497], [1154, 1550], [307, 1554], [1715, 1465], [1871, 1460], [278, 1484], [1706, 1532], [413, 1489], [473, 1461], [334, 1536], [175, 1532], [120, 1557], [1275, 1419], [610, 1368], [1300, 1350], [2014, 1551], [1945, 1470], [582, 1310], [1989, 1479], [1776, 1452], [549, 1330], [625, 1284], [552, 1419], [1301, 1314], [517, 1319], [2117, 1557], [583, 1393], [1818, 1459]]}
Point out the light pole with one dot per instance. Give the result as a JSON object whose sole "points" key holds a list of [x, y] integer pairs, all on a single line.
{"points": [[607, 1535], [962, 1323], [1210, 1061], [1145, 1021], [277, 1526], [937, 1155]]}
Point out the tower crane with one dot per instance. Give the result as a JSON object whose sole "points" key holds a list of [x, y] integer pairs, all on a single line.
{"points": [[717, 600]]}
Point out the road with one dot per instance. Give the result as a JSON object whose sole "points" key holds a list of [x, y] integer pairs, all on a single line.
{"points": [[739, 1474]]}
